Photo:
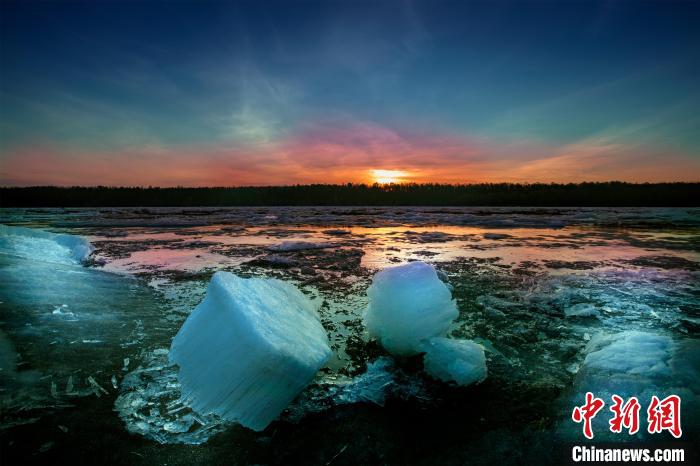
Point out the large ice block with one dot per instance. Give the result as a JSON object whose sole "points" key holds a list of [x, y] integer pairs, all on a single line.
{"points": [[248, 349], [40, 245], [408, 304], [451, 360]]}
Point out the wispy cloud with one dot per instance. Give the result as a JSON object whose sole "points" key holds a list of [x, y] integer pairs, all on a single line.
{"points": [[346, 151]]}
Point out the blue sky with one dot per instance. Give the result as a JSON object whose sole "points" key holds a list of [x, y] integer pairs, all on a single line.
{"points": [[286, 92]]}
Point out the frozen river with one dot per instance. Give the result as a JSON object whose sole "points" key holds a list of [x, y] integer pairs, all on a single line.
{"points": [[83, 348]]}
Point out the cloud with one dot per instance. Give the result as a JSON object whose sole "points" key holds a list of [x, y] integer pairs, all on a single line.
{"points": [[342, 150]]}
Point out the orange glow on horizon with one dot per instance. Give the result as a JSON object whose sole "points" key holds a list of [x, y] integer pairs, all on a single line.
{"points": [[388, 176]]}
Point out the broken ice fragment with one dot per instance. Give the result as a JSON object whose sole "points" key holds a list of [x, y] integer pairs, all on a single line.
{"points": [[459, 361], [97, 388], [69, 386], [248, 349], [408, 304]]}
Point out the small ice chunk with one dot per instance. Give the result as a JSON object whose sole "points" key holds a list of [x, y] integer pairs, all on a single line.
{"points": [[96, 387], [288, 246], [370, 386], [408, 304], [581, 310], [451, 360], [248, 349], [69, 386]]}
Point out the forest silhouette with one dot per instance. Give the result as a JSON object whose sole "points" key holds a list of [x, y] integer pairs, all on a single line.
{"points": [[485, 194]]}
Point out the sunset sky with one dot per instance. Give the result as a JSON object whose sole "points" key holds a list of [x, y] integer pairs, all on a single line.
{"points": [[265, 93]]}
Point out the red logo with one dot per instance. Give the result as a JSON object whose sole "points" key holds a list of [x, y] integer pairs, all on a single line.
{"points": [[626, 415], [665, 415], [661, 415], [587, 412]]}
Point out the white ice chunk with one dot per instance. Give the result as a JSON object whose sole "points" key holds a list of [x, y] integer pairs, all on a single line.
{"points": [[248, 349], [41, 245], [407, 305], [459, 361], [630, 352]]}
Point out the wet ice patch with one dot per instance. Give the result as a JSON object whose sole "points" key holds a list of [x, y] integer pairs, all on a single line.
{"points": [[581, 310], [63, 312], [248, 349]]}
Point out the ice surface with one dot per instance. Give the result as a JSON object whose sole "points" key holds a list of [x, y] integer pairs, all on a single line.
{"points": [[44, 246], [451, 360], [635, 363], [408, 304], [581, 310], [630, 352], [248, 349], [149, 404]]}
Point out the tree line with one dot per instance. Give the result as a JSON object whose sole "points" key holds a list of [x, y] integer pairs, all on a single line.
{"points": [[425, 194]]}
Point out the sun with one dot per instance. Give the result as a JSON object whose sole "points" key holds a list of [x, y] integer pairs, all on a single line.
{"points": [[388, 176]]}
